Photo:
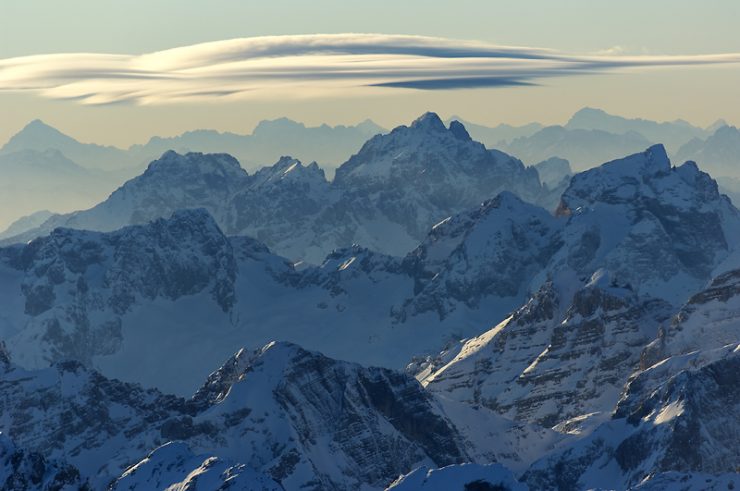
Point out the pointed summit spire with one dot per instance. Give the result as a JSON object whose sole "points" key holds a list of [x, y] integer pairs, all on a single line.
{"points": [[429, 121], [458, 129]]}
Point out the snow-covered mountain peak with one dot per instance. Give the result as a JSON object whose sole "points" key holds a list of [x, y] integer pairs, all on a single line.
{"points": [[506, 200], [489, 219], [275, 357], [618, 181], [75, 281], [36, 134], [432, 171], [288, 169], [429, 121], [632, 208], [490, 252], [458, 129], [424, 150], [172, 182], [217, 164], [301, 406], [218, 383]]}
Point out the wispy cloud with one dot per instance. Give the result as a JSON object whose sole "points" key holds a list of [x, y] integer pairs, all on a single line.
{"points": [[307, 66]]}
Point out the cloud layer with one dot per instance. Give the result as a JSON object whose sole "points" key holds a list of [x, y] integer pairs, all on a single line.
{"points": [[306, 66]]}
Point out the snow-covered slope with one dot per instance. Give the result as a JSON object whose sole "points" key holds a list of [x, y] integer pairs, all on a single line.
{"points": [[118, 300], [677, 416], [491, 252], [173, 467], [324, 424], [539, 364], [69, 413], [709, 320], [465, 477], [70, 289], [674, 426], [305, 420]]}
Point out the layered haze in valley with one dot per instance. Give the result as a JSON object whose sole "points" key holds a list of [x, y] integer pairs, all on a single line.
{"points": [[410, 246]]}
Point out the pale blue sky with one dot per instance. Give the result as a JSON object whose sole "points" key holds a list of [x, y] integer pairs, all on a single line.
{"points": [[137, 26]]}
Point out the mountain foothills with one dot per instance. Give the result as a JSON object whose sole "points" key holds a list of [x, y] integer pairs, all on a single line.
{"points": [[439, 316]]}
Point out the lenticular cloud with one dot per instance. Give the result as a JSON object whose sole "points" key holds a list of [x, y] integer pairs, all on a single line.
{"points": [[305, 66]]}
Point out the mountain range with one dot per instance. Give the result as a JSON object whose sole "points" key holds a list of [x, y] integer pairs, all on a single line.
{"points": [[438, 316], [46, 169], [330, 145], [589, 138], [298, 213]]}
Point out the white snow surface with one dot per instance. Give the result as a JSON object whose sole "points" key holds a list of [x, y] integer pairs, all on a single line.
{"points": [[458, 478]]}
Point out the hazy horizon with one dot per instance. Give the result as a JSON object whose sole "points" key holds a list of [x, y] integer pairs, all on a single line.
{"points": [[646, 88], [250, 129]]}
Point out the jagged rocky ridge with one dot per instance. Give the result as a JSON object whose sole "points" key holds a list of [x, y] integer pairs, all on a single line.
{"points": [[678, 416], [385, 197], [640, 238], [280, 417], [675, 422]]}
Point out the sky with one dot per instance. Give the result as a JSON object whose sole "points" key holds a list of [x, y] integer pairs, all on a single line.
{"points": [[550, 92]]}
